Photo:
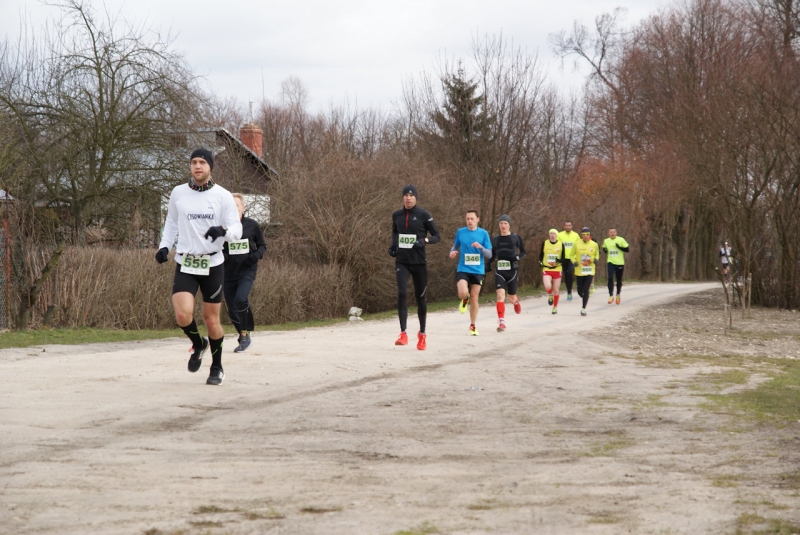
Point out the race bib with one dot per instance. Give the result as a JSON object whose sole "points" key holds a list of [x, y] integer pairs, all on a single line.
{"points": [[503, 265], [586, 270], [472, 259], [196, 264], [613, 252], [239, 247], [406, 241], [552, 258], [568, 244]]}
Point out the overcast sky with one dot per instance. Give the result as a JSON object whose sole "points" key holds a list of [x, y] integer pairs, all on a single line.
{"points": [[356, 50]]}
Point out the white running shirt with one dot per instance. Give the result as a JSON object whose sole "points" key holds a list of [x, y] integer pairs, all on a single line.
{"points": [[189, 216]]}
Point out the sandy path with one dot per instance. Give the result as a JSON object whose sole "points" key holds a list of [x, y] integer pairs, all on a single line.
{"points": [[336, 430]]}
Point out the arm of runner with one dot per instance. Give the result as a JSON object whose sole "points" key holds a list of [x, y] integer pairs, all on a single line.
{"points": [[521, 245], [541, 256], [454, 250], [622, 245], [395, 237], [487, 246], [230, 219], [170, 226], [434, 237], [261, 244]]}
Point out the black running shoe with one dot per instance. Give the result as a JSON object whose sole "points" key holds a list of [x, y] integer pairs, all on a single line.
{"points": [[216, 376], [197, 356], [244, 343]]}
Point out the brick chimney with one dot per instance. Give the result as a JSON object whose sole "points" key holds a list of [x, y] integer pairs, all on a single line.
{"points": [[251, 136]]}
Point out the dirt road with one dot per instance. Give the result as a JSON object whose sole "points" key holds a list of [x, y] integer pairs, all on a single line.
{"points": [[541, 429]]}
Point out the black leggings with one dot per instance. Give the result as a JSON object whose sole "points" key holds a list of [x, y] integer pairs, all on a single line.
{"points": [[568, 274], [584, 284], [236, 298], [614, 271], [419, 273]]}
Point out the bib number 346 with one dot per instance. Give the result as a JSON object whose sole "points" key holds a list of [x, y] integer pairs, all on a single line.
{"points": [[196, 264]]}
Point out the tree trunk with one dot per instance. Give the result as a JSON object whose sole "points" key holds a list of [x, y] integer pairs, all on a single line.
{"points": [[683, 243], [29, 301]]}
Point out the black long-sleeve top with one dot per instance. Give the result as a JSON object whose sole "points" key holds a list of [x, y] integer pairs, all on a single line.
{"points": [[240, 265], [409, 224]]}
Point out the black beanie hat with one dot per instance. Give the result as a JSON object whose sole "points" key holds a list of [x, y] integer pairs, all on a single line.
{"points": [[412, 190], [204, 154], [505, 218]]}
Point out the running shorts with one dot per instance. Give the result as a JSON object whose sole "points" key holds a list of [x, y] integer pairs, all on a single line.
{"points": [[210, 285], [554, 274], [471, 278], [507, 281]]}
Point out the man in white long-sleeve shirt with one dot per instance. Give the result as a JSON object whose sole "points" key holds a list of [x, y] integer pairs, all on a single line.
{"points": [[203, 216]]}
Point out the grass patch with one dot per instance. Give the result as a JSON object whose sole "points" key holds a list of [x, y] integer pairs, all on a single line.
{"points": [[604, 519], [272, 514], [776, 400], [320, 510], [790, 480], [725, 482], [616, 441], [753, 524], [210, 510], [156, 531], [423, 529], [486, 505], [206, 524]]}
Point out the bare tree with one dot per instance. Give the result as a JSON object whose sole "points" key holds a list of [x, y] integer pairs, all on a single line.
{"points": [[95, 104]]}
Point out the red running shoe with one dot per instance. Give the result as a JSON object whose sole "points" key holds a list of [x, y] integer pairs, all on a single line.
{"points": [[402, 340], [422, 341], [501, 327], [518, 307]]}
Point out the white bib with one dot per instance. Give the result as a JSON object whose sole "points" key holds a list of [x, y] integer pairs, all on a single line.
{"points": [[239, 247], [406, 241], [613, 252], [552, 258], [586, 270], [472, 259], [196, 264], [503, 265]]}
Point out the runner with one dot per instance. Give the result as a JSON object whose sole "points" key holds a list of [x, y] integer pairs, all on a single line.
{"points": [[725, 259], [202, 215], [615, 246], [584, 255], [568, 237], [551, 259], [473, 247], [241, 265], [507, 250], [410, 225]]}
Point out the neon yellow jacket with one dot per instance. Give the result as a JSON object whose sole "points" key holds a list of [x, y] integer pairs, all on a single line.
{"points": [[569, 239], [614, 250], [583, 256]]}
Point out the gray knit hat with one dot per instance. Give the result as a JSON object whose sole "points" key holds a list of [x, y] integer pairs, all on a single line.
{"points": [[505, 218]]}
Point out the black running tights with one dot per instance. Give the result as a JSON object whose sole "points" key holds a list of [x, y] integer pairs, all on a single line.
{"points": [[584, 284], [419, 274], [614, 271]]}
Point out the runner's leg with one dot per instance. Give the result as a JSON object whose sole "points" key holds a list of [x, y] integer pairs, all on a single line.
{"points": [[241, 303], [401, 273], [618, 274], [420, 277], [229, 289], [556, 287], [463, 289], [611, 271], [568, 275], [183, 303], [474, 304]]}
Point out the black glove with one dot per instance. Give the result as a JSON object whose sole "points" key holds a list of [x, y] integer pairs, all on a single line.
{"points": [[393, 251], [419, 244], [162, 255], [216, 232], [254, 257]]}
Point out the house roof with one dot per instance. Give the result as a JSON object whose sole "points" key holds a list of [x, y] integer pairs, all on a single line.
{"points": [[254, 158]]}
